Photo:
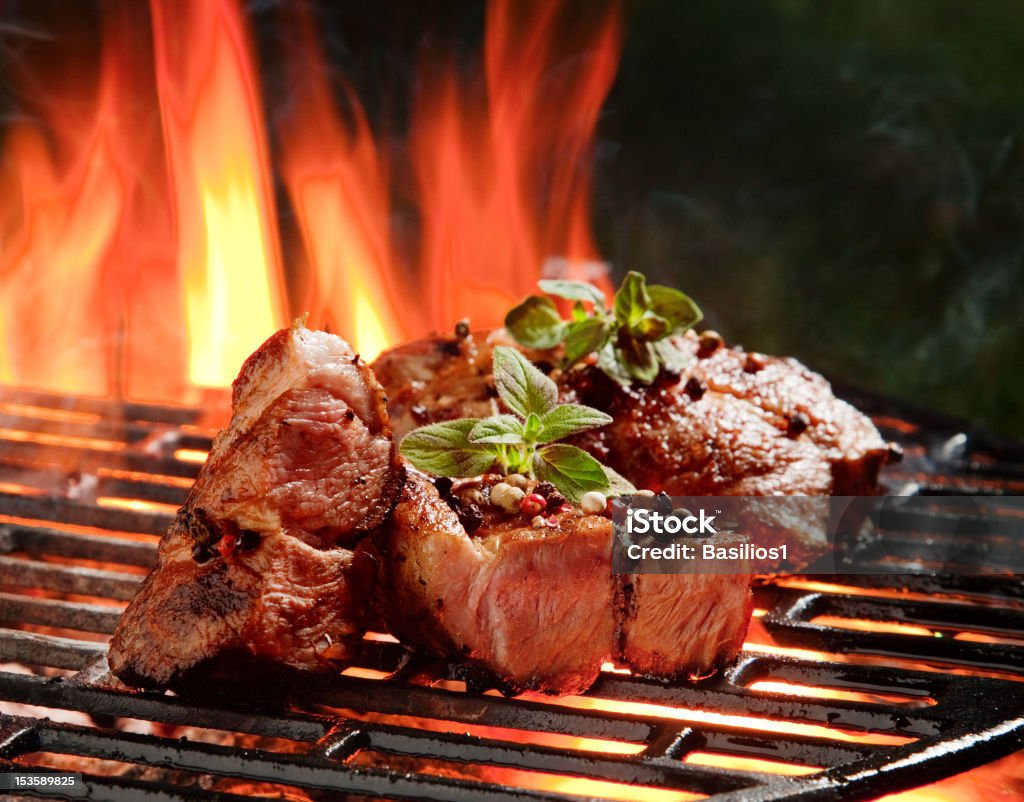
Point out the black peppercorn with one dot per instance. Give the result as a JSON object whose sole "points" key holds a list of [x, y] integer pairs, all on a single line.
{"points": [[695, 388], [555, 501], [248, 540], [545, 489], [798, 424], [444, 486], [200, 553], [470, 517], [663, 503]]}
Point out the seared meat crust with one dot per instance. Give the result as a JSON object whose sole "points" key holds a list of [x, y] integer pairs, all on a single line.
{"points": [[731, 423], [539, 608], [257, 565]]}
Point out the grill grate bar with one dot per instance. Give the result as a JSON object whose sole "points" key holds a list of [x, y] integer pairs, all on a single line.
{"points": [[262, 766], [69, 511], [68, 579], [53, 613], [31, 648], [41, 541]]}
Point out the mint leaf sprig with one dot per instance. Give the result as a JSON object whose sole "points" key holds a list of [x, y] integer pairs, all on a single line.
{"points": [[631, 339], [522, 442]]}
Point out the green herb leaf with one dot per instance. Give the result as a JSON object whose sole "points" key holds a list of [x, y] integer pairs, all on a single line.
{"points": [[521, 385], [613, 365], [632, 299], [631, 340], [572, 470], [584, 337], [675, 306], [651, 327], [573, 290], [504, 429], [637, 357], [620, 485], [569, 419], [444, 449], [536, 323], [671, 358]]}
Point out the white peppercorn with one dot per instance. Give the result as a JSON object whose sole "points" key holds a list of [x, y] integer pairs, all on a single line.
{"points": [[593, 502], [506, 497]]}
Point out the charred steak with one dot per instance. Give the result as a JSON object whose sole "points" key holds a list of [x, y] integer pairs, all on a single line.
{"points": [[257, 565]]}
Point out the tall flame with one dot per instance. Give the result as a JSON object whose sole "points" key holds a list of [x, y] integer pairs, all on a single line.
{"points": [[338, 186], [227, 237], [502, 167], [140, 248]]}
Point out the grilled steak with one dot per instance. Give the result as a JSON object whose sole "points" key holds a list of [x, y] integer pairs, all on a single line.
{"points": [[257, 565], [731, 423], [538, 608]]}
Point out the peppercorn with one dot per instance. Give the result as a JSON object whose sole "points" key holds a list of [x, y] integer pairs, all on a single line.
{"points": [[695, 388], [227, 545], [248, 540], [798, 424], [754, 362], [555, 500], [545, 489], [474, 495], [663, 503], [443, 485], [462, 329], [593, 502], [200, 553], [533, 504], [470, 517], [518, 480], [709, 341], [506, 497]]}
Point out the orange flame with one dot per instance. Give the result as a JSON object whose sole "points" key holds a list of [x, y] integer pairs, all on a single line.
{"points": [[338, 186], [481, 154], [227, 239], [139, 240]]}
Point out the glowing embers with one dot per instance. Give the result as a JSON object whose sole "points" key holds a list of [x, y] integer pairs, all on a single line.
{"points": [[742, 763], [743, 722], [815, 692]]}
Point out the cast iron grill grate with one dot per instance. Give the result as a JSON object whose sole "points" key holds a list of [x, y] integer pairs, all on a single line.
{"points": [[873, 684]]}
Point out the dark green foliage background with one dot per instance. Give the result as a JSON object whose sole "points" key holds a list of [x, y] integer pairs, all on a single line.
{"points": [[839, 181]]}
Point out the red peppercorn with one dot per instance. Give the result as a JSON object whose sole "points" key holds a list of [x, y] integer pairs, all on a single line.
{"points": [[565, 509], [226, 545], [533, 504]]}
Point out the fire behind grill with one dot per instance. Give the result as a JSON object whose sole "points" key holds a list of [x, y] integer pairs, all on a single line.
{"points": [[851, 686]]}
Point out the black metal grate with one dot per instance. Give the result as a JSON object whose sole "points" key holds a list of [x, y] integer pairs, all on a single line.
{"points": [[931, 687]]}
